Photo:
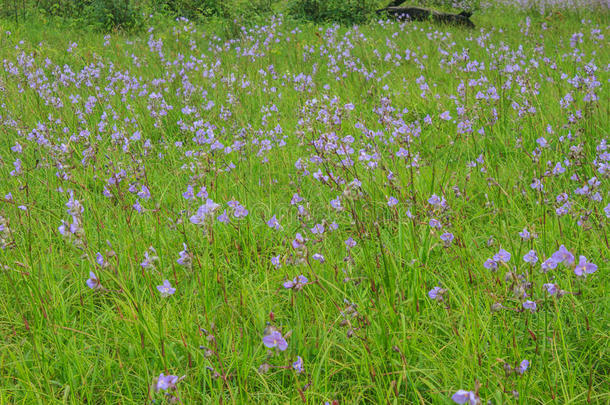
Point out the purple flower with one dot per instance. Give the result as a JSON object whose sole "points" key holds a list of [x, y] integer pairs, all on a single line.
{"points": [[551, 288], [298, 365], [465, 397], [530, 257], [336, 204], [445, 116], [435, 223], [537, 185], [93, 282], [298, 241], [150, 257], [240, 212], [392, 201], [275, 260], [99, 259], [436, 293], [296, 199], [607, 211], [319, 257], [563, 256], [296, 283], [188, 194], [203, 192], [490, 264], [273, 223], [317, 229], [144, 193], [137, 206], [523, 366], [584, 267], [502, 256], [184, 258], [203, 212], [434, 200], [447, 237], [525, 234], [531, 305], [166, 382], [166, 289], [350, 242], [224, 217], [275, 339], [542, 142], [549, 264]]}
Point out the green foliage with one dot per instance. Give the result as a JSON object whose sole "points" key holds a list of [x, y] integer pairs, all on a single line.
{"points": [[192, 9], [113, 14], [342, 11]]}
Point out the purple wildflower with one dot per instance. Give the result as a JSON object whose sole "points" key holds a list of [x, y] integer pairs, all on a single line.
{"points": [[166, 289], [531, 305], [350, 242], [447, 237], [490, 264], [204, 212], [189, 193], [530, 257], [434, 200], [296, 199], [298, 241], [525, 234], [549, 264], [551, 288], [584, 267], [502, 256], [184, 258], [435, 223], [298, 365], [166, 382], [537, 185], [224, 217], [436, 293], [144, 193], [203, 192], [336, 204], [99, 259], [275, 339], [93, 282], [296, 283], [562, 255], [317, 229], [273, 223], [523, 366], [465, 397], [392, 201]]}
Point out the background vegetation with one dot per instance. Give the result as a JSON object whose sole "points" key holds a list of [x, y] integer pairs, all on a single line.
{"points": [[475, 155]]}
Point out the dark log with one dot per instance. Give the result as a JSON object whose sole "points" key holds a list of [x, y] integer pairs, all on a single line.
{"points": [[422, 14]]}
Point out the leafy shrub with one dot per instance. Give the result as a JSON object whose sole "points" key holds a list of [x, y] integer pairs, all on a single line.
{"points": [[191, 9], [113, 14], [342, 11]]}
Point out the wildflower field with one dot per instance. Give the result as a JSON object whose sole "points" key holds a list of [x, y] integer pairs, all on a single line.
{"points": [[395, 212]]}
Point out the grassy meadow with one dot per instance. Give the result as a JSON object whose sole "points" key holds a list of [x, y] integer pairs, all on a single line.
{"points": [[296, 213]]}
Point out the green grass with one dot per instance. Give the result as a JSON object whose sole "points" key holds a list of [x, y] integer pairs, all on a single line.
{"points": [[62, 342]]}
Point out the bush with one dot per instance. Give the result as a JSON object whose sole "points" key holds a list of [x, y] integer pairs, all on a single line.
{"points": [[342, 11], [113, 14], [191, 9]]}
